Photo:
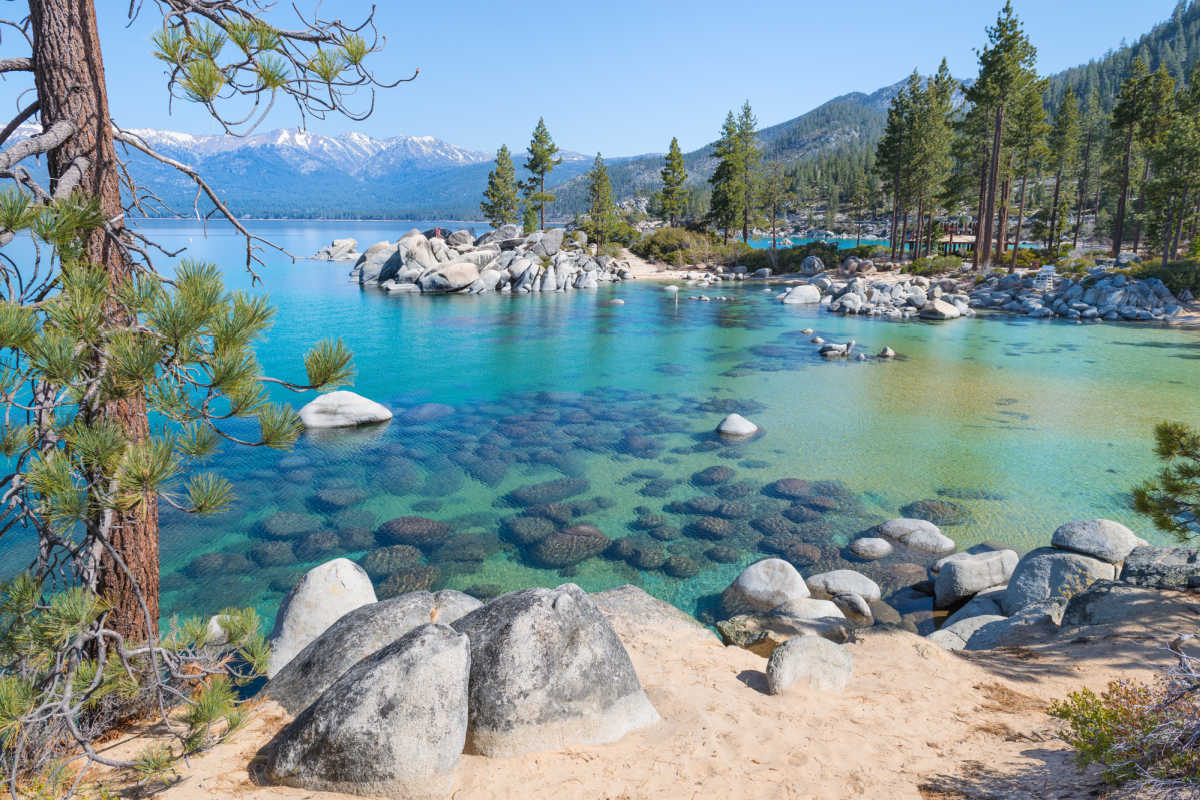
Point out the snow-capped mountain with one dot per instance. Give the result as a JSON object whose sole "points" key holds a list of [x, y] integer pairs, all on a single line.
{"points": [[296, 173]]}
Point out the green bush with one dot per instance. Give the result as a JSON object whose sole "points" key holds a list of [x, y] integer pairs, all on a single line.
{"points": [[665, 243], [1177, 275], [789, 259], [934, 265], [1142, 735]]}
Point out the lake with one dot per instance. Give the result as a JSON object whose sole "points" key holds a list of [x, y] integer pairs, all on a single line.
{"points": [[1014, 425]]}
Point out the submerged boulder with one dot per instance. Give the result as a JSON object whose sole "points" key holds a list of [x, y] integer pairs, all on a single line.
{"points": [[548, 672], [318, 600], [393, 725], [342, 409], [736, 426]]}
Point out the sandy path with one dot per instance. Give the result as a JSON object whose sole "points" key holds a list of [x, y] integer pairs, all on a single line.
{"points": [[915, 722]]}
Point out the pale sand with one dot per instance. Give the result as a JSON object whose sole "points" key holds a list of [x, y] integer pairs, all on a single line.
{"points": [[914, 722]]}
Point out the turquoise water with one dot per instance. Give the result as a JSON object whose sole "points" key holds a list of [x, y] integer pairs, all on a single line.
{"points": [[1021, 424], [843, 244]]}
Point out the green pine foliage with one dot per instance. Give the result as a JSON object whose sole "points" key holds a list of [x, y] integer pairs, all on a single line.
{"points": [[543, 158], [728, 186], [1172, 499], [674, 182], [603, 224], [501, 205]]}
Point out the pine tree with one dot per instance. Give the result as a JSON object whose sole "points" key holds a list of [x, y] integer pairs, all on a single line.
{"points": [[529, 218], [1125, 117], [500, 204], [728, 187], [1092, 127], [674, 178], [541, 162], [1006, 66], [1064, 156], [602, 211], [748, 162], [1029, 143], [776, 197]]}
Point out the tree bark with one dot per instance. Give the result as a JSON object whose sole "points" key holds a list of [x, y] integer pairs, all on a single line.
{"points": [[69, 77], [1119, 223], [1083, 181], [989, 205], [1052, 240], [1012, 265]]}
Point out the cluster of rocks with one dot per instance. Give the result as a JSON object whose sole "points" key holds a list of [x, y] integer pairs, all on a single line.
{"points": [[502, 260], [389, 694], [898, 300], [999, 600], [1098, 296]]}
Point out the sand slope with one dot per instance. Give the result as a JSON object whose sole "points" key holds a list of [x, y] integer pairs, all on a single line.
{"points": [[915, 721]]}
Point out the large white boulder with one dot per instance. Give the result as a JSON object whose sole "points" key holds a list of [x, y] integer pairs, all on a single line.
{"points": [[964, 575], [805, 294], [736, 426], [918, 534], [548, 672], [342, 409], [1047, 573], [1100, 538], [318, 600], [843, 581], [764, 586], [393, 726]]}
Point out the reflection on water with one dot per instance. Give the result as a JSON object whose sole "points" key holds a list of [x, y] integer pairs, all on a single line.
{"points": [[546, 438]]}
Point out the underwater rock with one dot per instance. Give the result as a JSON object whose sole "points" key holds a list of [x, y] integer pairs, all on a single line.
{"points": [[569, 546], [713, 528], [288, 525], [317, 545], [416, 531], [335, 499], [712, 476], [210, 564], [666, 533], [736, 491], [680, 566], [789, 488], [383, 561], [548, 492], [412, 579], [526, 530], [939, 512], [722, 555]]}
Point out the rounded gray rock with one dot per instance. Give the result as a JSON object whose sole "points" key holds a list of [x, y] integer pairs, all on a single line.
{"points": [[357, 635], [812, 660], [394, 725], [764, 586], [1048, 573], [318, 600], [548, 672], [1100, 538]]}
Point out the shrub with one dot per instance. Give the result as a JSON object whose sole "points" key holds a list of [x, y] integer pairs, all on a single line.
{"points": [[1145, 736], [934, 265], [1177, 275], [664, 243]]}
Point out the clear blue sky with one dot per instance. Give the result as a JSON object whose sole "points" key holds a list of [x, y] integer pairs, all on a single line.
{"points": [[623, 76]]}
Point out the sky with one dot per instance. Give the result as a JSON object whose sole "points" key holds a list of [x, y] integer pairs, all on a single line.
{"points": [[622, 77]]}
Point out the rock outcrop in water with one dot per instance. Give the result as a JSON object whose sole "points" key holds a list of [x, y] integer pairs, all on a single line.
{"points": [[444, 262]]}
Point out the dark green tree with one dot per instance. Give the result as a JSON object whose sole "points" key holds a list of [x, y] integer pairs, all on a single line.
{"points": [[501, 205], [1063, 160], [1006, 67], [749, 159], [674, 181], [1028, 141], [728, 186], [1172, 499], [541, 162], [1127, 114], [529, 218], [602, 218]]}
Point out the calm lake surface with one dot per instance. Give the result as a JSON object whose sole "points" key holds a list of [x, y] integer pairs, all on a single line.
{"points": [[1020, 424]]}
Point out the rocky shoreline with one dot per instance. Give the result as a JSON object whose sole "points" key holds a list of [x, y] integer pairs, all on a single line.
{"points": [[502, 260], [391, 696]]}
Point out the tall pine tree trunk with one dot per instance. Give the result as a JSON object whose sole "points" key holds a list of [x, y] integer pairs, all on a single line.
{"points": [[1119, 222], [920, 229], [983, 179], [989, 206], [69, 76], [1002, 219], [904, 236], [1012, 265], [895, 222], [1083, 181], [1052, 244], [1137, 227]]}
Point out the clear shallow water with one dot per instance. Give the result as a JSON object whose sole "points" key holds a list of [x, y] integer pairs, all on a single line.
{"points": [[1022, 424]]}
